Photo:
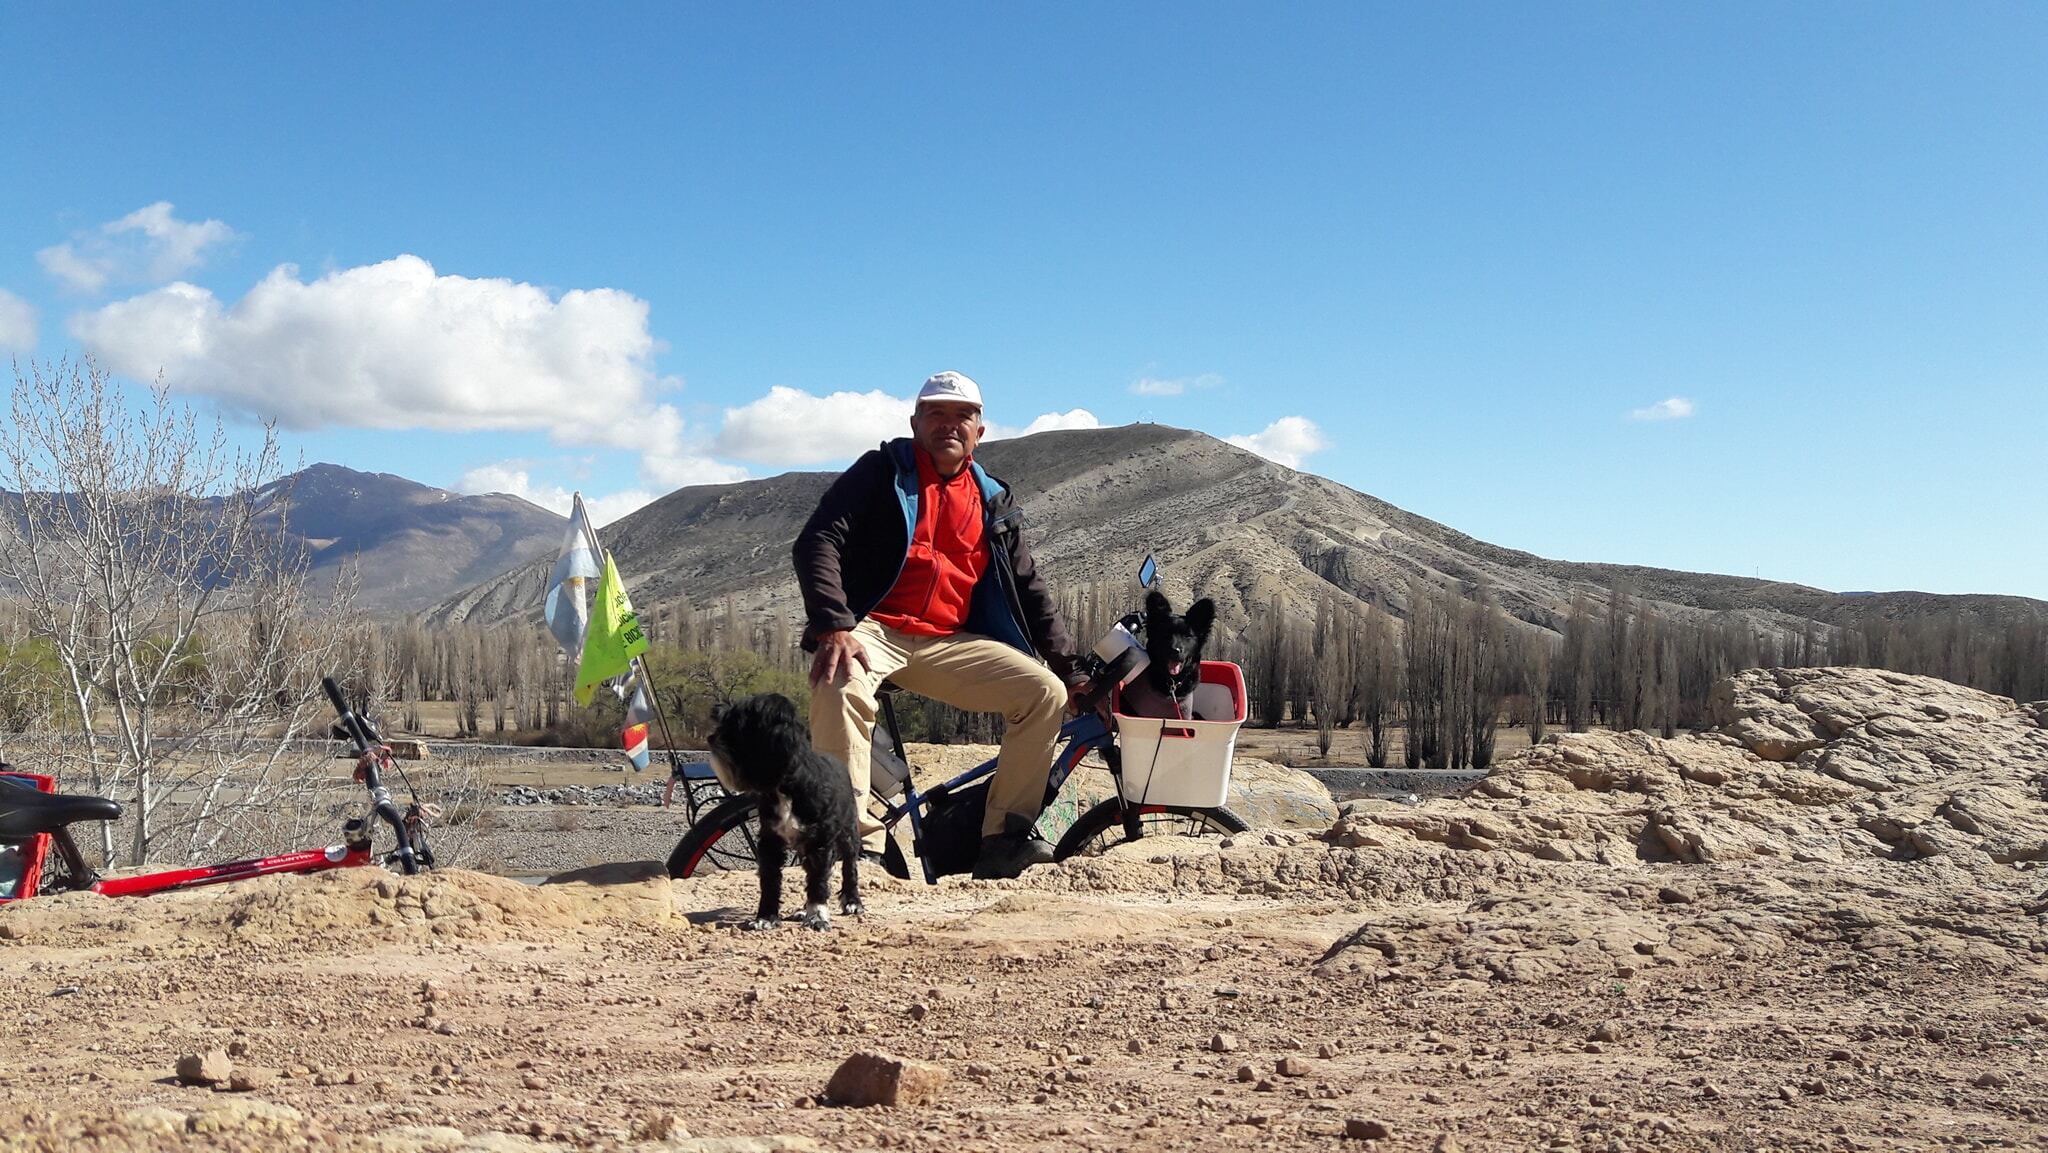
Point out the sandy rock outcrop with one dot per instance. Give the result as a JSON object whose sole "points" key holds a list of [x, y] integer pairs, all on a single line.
{"points": [[1270, 795], [1887, 811], [1889, 766]]}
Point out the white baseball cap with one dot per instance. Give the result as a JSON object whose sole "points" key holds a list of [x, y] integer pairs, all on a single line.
{"points": [[950, 386]]}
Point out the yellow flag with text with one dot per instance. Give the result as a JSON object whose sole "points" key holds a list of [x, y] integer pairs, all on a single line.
{"points": [[614, 637]]}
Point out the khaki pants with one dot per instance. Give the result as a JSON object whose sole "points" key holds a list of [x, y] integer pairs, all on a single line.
{"points": [[967, 671]]}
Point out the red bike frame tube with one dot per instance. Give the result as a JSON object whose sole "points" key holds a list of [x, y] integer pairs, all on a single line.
{"points": [[303, 861], [33, 851], [37, 848]]}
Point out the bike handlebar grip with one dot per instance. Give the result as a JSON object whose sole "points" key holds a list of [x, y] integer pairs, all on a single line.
{"points": [[334, 695], [364, 737]]}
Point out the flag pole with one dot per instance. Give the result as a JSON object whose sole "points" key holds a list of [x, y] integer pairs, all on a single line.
{"points": [[675, 767]]}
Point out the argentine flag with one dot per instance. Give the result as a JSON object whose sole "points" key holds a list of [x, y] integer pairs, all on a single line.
{"points": [[566, 606]]}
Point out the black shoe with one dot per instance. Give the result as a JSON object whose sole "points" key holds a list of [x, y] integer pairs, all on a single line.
{"points": [[1007, 854]]}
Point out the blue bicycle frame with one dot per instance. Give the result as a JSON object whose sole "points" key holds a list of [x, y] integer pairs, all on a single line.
{"points": [[1082, 734]]}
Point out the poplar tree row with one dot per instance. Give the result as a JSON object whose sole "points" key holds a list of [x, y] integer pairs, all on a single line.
{"points": [[1428, 689], [1457, 666]]}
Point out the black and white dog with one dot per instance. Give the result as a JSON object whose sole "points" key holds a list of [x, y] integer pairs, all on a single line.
{"points": [[1173, 650], [761, 748]]}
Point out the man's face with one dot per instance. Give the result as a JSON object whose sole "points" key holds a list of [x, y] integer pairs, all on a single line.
{"points": [[948, 430]]}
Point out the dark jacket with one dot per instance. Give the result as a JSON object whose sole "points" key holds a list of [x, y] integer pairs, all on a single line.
{"points": [[852, 549]]}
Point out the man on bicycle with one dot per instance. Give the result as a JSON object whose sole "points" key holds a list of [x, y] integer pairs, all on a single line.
{"points": [[913, 568]]}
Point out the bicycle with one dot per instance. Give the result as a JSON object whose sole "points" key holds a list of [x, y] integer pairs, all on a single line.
{"points": [[945, 820], [36, 820]]}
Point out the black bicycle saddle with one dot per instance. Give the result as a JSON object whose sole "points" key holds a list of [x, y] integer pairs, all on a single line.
{"points": [[26, 811]]}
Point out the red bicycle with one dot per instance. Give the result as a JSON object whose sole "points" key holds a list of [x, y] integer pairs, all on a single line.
{"points": [[38, 856]]}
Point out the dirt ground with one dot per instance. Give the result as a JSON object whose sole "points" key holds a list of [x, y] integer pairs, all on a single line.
{"points": [[1620, 943], [1142, 1018]]}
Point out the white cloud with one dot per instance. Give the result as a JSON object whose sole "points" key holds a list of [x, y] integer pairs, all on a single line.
{"points": [[1674, 408], [17, 323], [1153, 386], [511, 477], [1073, 418], [793, 427], [680, 468], [1288, 441], [147, 246], [394, 345], [72, 271], [670, 459]]}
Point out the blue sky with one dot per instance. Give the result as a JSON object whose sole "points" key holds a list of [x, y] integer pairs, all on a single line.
{"points": [[1738, 288]]}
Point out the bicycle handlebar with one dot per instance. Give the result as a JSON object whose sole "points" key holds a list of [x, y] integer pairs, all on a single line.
{"points": [[369, 753], [1099, 686], [358, 734]]}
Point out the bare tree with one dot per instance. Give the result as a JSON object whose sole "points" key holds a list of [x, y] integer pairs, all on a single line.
{"points": [[1575, 665], [1536, 681], [1266, 672], [154, 562], [1486, 635], [1667, 685], [472, 683], [1426, 658], [1379, 684], [1622, 683], [1332, 669], [1301, 668]]}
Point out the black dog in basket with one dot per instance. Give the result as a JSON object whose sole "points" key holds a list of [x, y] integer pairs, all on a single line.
{"points": [[1173, 651]]}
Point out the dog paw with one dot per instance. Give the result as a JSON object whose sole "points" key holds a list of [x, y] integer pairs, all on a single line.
{"points": [[760, 923], [852, 908], [815, 917]]}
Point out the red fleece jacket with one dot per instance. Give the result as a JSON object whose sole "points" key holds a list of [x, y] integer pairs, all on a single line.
{"points": [[931, 595]]}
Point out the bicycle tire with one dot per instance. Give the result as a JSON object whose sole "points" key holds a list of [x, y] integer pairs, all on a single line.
{"points": [[1102, 827], [706, 842]]}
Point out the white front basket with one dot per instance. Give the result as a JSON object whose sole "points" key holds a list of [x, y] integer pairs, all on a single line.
{"points": [[1185, 762]]}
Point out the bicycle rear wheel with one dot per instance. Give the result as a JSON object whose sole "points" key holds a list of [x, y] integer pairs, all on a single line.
{"points": [[1102, 827], [723, 838]]}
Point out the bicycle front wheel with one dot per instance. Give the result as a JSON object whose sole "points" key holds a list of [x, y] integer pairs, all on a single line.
{"points": [[1102, 827], [723, 838]]}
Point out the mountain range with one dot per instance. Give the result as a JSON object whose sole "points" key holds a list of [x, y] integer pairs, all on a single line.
{"points": [[413, 546], [1224, 523]]}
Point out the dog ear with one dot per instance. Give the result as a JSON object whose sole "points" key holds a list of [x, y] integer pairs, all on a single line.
{"points": [[1201, 617], [780, 709], [1157, 608], [719, 710]]}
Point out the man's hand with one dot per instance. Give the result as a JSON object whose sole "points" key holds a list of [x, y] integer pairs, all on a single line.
{"points": [[837, 651], [1077, 697]]}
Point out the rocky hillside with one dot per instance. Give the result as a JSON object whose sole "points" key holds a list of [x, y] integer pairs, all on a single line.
{"points": [[1225, 523]]}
